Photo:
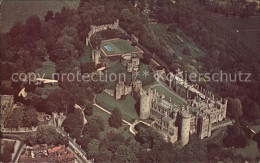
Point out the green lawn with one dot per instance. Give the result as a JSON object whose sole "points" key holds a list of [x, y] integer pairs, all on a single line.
{"points": [[119, 69], [146, 80], [47, 69], [168, 94], [86, 56], [118, 46], [126, 105]]}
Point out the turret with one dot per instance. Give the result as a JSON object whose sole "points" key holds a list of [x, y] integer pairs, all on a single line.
{"points": [[185, 127], [96, 56], [145, 104]]}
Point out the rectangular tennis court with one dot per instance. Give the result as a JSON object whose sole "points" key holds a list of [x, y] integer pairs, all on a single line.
{"points": [[118, 47]]}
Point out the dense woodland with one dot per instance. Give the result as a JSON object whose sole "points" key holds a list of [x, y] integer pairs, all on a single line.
{"points": [[61, 37]]}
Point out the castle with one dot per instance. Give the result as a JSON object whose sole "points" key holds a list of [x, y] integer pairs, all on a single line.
{"points": [[94, 29], [202, 113], [131, 61], [177, 122]]}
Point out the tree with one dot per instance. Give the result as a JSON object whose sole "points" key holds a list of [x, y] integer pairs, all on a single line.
{"points": [[234, 108], [73, 124], [125, 154], [30, 139], [99, 119], [92, 129], [257, 139], [49, 135], [30, 117], [148, 137], [186, 51], [241, 141], [88, 109], [33, 26], [48, 16], [254, 111], [83, 141], [115, 120], [104, 156], [93, 148], [60, 101]]}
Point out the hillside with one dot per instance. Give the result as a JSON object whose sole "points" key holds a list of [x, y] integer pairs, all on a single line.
{"points": [[246, 30], [13, 11]]}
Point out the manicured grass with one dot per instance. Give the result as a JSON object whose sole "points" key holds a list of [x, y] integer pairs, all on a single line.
{"points": [[168, 94], [86, 56], [126, 105], [119, 69], [146, 80], [118, 46], [47, 69]]}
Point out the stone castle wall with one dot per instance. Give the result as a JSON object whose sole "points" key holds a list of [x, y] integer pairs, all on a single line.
{"points": [[94, 29]]}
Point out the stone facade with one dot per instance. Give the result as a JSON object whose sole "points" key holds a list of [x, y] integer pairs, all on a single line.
{"points": [[177, 122], [131, 61], [94, 29], [120, 90], [96, 56]]}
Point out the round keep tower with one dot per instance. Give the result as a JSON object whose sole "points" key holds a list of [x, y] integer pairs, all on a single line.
{"points": [[135, 60], [185, 127], [145, 104], [129, 67]]}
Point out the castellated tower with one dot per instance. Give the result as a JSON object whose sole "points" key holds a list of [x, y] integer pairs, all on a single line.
{"points": [[145, 104], [120, 87], [96, 56], [185, 127], [224, 108]]}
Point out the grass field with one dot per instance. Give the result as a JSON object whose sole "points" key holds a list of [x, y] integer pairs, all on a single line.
{"points": [[248, 30], [118, 68], [16, 10], [146, 80], [47, 69], [118, 46], [168, 94], [126, 105]]}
